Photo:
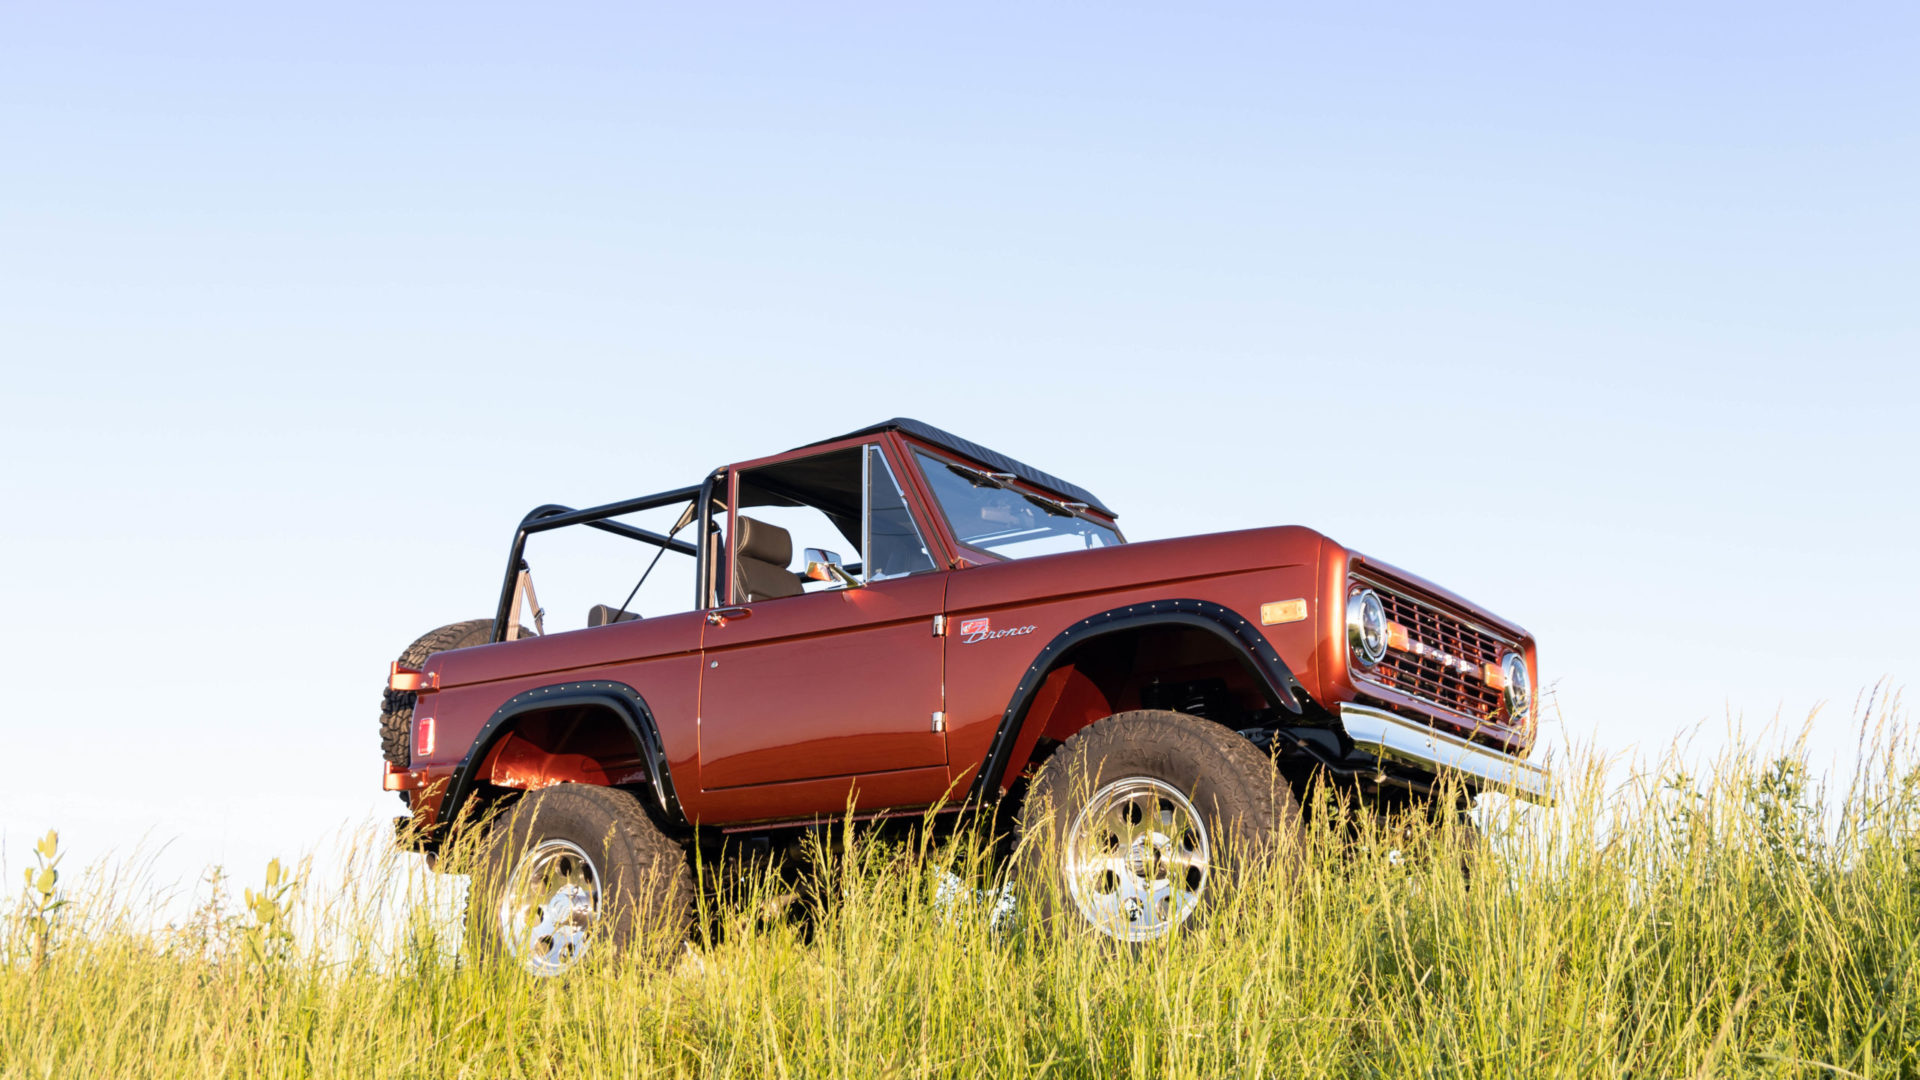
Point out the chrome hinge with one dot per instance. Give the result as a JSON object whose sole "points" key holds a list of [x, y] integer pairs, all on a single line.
{"points": [[939, 626], [939, 722]]}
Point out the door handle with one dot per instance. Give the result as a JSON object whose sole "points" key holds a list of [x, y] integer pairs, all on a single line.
{"points": [[719, 616]]}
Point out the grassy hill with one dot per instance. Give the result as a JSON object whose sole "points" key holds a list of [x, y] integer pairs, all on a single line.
{"points": [[1736, 924]]}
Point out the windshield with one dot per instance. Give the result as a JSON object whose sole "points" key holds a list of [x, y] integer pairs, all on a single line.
{"points": [[994, 516]]}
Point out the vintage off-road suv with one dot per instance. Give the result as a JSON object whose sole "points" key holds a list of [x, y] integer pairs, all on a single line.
{"points": [[989, 638]]}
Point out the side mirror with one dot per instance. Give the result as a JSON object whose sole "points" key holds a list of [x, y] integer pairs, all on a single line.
{"points": [[824, 565], [818, 560]]}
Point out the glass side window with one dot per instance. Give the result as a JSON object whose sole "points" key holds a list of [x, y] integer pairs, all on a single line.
{"points": [[845, 505], [895, 546], [1005, 520]]}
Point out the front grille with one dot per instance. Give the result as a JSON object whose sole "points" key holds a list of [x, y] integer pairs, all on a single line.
{"points": [[1430, 677]]}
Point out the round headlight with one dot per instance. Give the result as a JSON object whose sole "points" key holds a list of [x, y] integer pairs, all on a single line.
{"points": [[1367, 627], [1519, 687]]}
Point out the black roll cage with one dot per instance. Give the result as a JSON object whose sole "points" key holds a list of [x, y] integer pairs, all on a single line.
{"points": [[554, 516]]}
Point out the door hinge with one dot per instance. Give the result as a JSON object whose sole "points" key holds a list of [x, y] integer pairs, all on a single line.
{"points": [[939, 626], [939, 722]]}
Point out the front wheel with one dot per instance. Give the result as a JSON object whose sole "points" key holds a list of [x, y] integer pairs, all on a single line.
{"points": [[1142, 821]]}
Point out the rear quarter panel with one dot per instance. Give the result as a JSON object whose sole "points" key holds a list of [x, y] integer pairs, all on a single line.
{"points": [[659, 658]]}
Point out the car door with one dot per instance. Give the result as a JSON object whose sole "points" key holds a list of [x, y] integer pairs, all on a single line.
{"points": [[817, 687]]}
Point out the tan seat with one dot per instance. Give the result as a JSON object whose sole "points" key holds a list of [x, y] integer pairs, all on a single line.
{"points": [[761, 555], [604, 615]]}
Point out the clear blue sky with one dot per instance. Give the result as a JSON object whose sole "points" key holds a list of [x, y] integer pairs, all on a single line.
{"points": [[1606, 318]]}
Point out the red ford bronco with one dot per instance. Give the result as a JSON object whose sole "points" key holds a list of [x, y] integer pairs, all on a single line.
{"points": [[988, 637]]}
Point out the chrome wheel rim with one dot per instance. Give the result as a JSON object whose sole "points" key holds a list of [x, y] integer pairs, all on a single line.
{"points": [[1137, 859], [552, 902]]}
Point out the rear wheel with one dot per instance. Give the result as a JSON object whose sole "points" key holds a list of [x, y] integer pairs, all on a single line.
{"points": [[1142, 821], [577, 870]]}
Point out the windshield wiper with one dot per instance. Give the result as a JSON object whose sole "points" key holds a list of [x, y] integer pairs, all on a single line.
{"points": [[1051, 506], [1054, 507], [979, 478]]}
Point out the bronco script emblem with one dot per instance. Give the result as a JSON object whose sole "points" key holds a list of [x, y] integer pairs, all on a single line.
{"points": [[973, 631]]}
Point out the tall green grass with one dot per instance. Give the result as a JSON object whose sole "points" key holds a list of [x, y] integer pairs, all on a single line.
{"points": [[1739, 923]]}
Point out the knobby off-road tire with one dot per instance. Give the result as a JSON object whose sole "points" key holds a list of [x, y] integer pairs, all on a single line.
{"points": [[1141, 822], [574, 871], [396, 706]]}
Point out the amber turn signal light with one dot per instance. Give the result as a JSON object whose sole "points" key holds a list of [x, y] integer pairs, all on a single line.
{"points": [[1397, 639], [1283, 611]]}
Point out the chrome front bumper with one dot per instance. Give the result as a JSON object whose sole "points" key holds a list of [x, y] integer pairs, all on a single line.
{"points": [[1385, 735]]}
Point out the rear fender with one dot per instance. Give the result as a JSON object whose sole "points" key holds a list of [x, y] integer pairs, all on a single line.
{"points": [[622, 703]]}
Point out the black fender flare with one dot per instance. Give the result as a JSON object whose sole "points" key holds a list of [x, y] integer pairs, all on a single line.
{"points": [[1217, 619], [615, 697]]}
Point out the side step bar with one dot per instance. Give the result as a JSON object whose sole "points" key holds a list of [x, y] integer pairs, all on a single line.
{"points": [[1383, 734]]}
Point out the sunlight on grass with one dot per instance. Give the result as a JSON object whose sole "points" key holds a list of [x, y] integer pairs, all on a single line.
{"points": [[1736, 923]]}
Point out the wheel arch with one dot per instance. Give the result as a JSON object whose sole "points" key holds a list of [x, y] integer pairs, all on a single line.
{"points": [[1234, 635], [618, 707]]}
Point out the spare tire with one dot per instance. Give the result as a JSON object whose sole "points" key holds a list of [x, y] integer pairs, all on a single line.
{"points": [[396, 706]]}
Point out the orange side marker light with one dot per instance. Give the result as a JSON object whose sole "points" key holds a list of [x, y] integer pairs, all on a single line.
{"points": [[1283, 611]]}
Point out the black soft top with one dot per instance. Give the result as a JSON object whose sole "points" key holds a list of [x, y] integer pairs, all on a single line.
{"points": [[993, 460]]}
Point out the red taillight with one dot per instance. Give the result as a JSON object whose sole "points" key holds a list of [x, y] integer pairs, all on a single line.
{"points": [[423, 735]]}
